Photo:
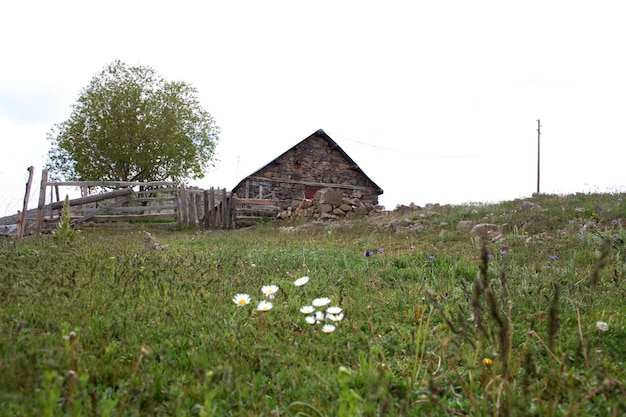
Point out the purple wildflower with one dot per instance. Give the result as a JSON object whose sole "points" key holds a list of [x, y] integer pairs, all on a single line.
{"points": [[368, 253], [553, 257], [381, 250], [502, 252]]}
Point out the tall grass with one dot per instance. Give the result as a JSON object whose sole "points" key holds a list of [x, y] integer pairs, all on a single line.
{"points": [[437, 322]]}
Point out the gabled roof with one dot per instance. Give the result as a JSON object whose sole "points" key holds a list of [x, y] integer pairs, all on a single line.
{"points": [[333, 145]]}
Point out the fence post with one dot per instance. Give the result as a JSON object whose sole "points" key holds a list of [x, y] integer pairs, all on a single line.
{"points": [[206, 209], [192, 208], [233, 209], [183, 204], [42, 201], [199, 207], [230, 210], [225, 213], [21, 222], [179, 215], [212, 208]]}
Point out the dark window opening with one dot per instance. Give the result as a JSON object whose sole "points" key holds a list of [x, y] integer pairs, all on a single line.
{"points": [[309, 191]]}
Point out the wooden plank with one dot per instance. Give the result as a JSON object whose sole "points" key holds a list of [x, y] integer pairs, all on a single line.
{"points": [[157, 199], [109, 184], [254, 201], [212, 207], [183, 206], [159, 190], [192, 209], [206, 208], [93, 198], [42, 201], [179, 208], [317, 184], [259, 209], [21, 222], [199, 207], [137, 209], [129, 217], [102, 210], [225, 214], [229, 212]]}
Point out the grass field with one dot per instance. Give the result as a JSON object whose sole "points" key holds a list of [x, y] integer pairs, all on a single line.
{"points": [[432, 321]]}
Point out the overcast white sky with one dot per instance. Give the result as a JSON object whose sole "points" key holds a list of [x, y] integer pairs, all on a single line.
{"points": [[437, 101]]}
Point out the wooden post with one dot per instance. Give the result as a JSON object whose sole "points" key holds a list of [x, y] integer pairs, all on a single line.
{"points": [[212, 208], [192, 209], [233, 208], [21, 222], [179, 217], [199, 207], [229, 211], [225, 213], [206, 209], [42, 201], [183, 201]]}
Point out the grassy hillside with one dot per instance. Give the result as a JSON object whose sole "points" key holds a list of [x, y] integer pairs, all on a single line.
{"points": [[436, 320]]}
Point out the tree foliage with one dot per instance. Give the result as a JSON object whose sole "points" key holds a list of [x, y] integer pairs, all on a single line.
{"points": [[129, 124]]}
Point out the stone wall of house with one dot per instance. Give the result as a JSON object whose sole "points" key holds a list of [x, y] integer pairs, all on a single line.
{"points": [[328, 204], [293, 175]]}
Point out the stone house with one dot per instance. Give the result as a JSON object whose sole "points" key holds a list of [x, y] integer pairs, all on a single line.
{"points": [[315, 163]]}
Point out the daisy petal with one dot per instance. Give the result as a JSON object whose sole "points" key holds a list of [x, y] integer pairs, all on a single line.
{"points": [[328, 328], [301, 281], [320, 302]]}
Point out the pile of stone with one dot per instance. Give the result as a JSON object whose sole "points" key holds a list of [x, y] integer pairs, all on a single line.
{"points": [[328, 204]]}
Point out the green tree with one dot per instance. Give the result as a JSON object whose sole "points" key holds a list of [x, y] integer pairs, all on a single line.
{"points": [[130, 124]]}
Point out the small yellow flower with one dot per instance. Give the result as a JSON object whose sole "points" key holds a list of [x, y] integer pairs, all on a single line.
{"points": [[487, 362]]}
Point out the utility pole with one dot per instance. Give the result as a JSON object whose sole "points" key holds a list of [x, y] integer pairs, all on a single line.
{"points": [[538, 152]]}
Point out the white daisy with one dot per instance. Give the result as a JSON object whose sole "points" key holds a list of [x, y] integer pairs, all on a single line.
{"points": [[307, 309], [328, 328], [301, 281], [264, 306], [334, 310], [602, 326], [269, 291], [241, 299], [336, 318], [320, 302], [319, 316], [311, 319]]}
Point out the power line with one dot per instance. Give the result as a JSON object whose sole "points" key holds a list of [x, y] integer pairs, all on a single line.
{"points": [[423, 155]]}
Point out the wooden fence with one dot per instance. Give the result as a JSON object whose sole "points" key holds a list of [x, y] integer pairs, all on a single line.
{"points": [[127, 201]]}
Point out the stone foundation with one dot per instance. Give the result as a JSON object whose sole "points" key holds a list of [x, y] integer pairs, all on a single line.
{"points": [[328, 204]]}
